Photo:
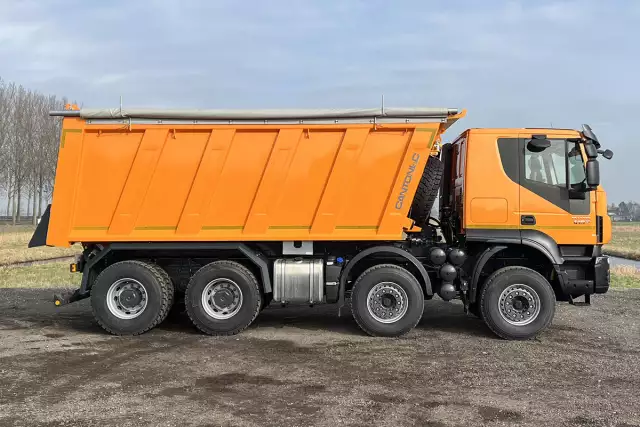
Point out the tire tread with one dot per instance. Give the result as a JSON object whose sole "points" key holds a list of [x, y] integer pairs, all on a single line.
{"points": [[427, 191], [166, 287], [243, 270], [359, 280], [496, 275]]}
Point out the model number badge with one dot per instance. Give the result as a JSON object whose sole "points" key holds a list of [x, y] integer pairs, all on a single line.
{"points": [[407, 180], [581, 220]]}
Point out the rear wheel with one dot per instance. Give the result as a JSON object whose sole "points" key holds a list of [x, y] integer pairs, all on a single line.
{"points": [[131, 297], [223, 298], [517, 303], [387, 300]]}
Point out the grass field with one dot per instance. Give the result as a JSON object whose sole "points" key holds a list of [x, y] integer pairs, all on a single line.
{"points": [[51, 275], [13, 248], [626, 241], [625, 277], [14, 241]]}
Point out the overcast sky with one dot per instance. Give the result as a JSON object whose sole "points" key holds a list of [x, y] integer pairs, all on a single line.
{"points": [[510, 63]]}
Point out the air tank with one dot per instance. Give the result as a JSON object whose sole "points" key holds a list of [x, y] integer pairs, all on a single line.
{"points": [[437, 256], [457, 256]]}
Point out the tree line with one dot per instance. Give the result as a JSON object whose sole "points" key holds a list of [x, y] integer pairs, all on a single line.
{"points": [[625, 211], [29, 141]]}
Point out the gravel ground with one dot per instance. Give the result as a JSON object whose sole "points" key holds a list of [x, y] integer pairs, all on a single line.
{"points": [[306, 366]]}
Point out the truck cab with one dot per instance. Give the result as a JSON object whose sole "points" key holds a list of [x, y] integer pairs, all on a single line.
{"points": [[528, 197]]}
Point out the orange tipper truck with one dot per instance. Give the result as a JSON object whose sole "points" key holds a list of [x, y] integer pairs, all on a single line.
{"points": [[234, 210]]}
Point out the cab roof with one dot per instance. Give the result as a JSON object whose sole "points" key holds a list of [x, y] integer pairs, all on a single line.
{"points": [[511, 131]]}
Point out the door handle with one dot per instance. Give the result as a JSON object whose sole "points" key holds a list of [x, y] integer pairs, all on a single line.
{"points": [[527, 220]]}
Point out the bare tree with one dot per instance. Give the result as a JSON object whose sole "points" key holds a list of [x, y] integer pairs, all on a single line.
{"points": [[29, 141]]}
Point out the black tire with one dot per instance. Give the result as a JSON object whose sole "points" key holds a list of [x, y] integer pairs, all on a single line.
{"points": [[427, 191], [246, 283], [386, 273], [490, 296], [159, 295]]}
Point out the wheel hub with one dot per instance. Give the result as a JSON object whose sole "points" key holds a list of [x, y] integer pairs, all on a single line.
{"points": [[127, 298], [387, 302], [130, 298], [519, 304], [222, 298]]}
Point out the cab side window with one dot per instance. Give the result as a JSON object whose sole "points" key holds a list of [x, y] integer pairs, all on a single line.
{"points": [[577, 174], [549, 166]]}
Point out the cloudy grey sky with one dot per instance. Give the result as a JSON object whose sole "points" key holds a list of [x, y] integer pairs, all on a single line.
{"points": [[510, 63]]}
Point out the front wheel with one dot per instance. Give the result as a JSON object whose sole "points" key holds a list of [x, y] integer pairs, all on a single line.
{"points": [[387, 300], [517, 303]]}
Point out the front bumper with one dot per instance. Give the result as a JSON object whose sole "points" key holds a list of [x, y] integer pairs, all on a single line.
{"points": [[585, 277]]}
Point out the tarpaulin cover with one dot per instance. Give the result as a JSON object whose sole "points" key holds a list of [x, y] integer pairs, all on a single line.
{"points": [[275, 114]]}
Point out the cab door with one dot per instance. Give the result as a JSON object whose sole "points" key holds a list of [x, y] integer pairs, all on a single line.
{"points": [[460, 150], [550, 200]]}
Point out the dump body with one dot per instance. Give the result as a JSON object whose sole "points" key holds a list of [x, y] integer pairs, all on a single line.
{"points": [[175, 176]]}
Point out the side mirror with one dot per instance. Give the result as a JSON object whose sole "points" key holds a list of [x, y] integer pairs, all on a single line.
{"points": [[538, 143], [593, 173], [607, 154], [591, 150]]}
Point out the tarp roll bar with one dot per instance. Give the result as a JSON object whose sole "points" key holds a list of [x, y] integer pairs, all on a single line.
{"points": [[139, 113]]}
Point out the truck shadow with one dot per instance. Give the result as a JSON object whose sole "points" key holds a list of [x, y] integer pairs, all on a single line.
{"points": [[438, 316], [35, 308], [450, 317]]}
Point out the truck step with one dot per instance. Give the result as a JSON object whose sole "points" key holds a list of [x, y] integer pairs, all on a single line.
{"points": [[586, 302]]}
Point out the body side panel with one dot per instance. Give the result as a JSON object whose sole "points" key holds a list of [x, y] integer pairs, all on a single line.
{"points": [[149, 182]]}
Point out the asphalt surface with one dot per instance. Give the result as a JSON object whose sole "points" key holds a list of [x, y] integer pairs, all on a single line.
{"points": [[306, 366]]}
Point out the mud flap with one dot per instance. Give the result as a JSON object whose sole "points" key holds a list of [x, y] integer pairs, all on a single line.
{"points": [[39, 237]]}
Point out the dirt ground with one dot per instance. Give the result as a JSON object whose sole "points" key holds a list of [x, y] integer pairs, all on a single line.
{"points": [[306, 366]]}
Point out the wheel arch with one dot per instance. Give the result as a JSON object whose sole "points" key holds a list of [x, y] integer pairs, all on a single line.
{"points": [[92, 262], [422, 277], [533, 252]]}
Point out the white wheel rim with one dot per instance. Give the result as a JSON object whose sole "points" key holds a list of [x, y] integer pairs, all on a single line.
{"points": [[387, 302], [519, 304], [127, 298], [222, 299]]}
